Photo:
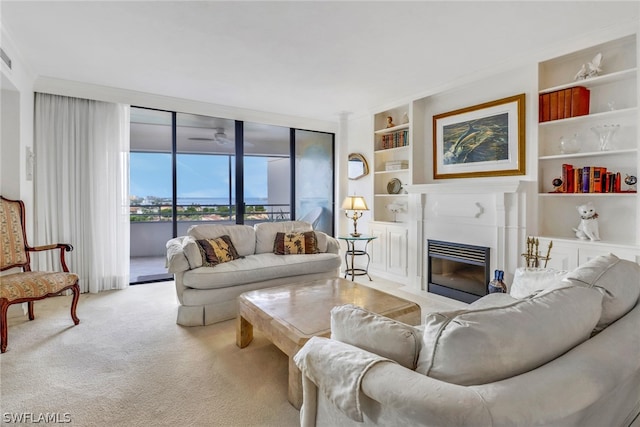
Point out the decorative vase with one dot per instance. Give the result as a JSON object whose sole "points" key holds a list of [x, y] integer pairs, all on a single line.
{"points": [[569, 145], [497, 285], [605, 135]]}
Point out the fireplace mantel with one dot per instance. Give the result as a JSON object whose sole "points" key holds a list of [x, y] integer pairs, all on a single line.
{"points": [[485, 212], [468, 187]]}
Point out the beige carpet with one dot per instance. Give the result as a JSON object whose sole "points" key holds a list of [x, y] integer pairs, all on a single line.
{"points": [[128, 364]]}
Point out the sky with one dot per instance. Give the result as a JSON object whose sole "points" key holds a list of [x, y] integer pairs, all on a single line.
{"points": [[198, 176]]}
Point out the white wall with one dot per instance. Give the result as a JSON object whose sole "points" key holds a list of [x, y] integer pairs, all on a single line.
{"points": [[359, 138], [16, 122]]}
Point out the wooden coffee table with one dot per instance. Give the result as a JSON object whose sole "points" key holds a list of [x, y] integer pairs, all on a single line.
{"points": [[290, 315]]}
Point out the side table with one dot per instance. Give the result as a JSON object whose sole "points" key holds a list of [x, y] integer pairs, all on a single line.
{"points": [[352, 252]]}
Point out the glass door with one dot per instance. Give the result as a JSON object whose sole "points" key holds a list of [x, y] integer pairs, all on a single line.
{"points": [[314, 179], [205, 171], [150, 193], [266, 163]]}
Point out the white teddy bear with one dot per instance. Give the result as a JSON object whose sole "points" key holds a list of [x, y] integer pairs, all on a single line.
{"points": [[588, 227]]}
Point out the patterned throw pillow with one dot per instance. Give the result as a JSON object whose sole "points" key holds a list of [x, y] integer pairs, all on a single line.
{"points": [[295, 243], [216, 251]]}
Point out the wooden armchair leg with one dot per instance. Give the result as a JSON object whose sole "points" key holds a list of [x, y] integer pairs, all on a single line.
{"points": [[31, 312], [74, 303], [4, 307]]}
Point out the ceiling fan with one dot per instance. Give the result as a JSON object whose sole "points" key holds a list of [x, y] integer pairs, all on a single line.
{"points": [[219, 138]]}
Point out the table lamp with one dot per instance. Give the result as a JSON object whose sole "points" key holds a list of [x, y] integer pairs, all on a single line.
{"points": [[357, 205]]}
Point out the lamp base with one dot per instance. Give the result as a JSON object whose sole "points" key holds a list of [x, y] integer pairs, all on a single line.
{"points": [[355, 234]]}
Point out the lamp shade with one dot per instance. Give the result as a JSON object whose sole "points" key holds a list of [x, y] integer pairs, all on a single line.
{"points": [[354, 203]]}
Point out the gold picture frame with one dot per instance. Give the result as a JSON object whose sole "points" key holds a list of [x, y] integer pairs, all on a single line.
{"points": [[480, 141]]}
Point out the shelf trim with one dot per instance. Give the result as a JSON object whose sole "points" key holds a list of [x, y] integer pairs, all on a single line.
{"points": [[588, 117], [589, 154], [595, 81], [395, 171], [575, 240], [386, 150], [389, 195], [393, 129]]}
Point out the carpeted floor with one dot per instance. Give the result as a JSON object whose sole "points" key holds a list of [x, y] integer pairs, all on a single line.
{"points": [[128, 364]]}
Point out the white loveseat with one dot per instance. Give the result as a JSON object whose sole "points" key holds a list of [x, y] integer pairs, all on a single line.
{"points": [[568, 355], [209, 294]]}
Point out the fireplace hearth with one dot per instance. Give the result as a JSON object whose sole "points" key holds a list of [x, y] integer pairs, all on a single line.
{"points": [[457, 270]]}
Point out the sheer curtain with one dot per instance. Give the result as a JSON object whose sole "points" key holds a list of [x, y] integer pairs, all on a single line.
{"points": [[82, 186]]}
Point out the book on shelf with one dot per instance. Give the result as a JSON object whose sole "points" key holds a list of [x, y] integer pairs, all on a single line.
{"points": [[590, 179], [394, 140], [563, 104]]}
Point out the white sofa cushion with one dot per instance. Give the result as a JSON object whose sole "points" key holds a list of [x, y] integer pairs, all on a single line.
{"points": [[375, 333], [176, 259], [258, 268], [242, 236], [496, 299], [266, 233], [479, 346], [529, 280], [192, 252], [618, 280]]}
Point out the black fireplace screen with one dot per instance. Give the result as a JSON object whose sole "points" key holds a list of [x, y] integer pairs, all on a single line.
{"points": [[457, 271]]}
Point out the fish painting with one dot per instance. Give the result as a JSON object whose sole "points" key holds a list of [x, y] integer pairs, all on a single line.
{"points": [[480, 140]]}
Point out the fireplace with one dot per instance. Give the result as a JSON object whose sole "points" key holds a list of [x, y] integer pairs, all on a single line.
{"points": [[457, 270]]}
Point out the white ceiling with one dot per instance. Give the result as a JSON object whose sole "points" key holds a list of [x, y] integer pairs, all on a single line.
{"points": [[304, 58]]}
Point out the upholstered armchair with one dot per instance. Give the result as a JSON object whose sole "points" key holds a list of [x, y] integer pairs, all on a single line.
{"points": [[28, 286]]}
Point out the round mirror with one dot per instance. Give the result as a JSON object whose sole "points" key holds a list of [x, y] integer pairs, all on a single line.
{"points": [[394, 186], [358, 166]]}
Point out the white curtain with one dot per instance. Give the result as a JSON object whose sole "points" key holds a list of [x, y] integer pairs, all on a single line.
{"points": [[82, 186]]}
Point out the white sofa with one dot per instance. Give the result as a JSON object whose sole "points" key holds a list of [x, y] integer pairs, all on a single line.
{"points": [[208, 294], [568, 355]]}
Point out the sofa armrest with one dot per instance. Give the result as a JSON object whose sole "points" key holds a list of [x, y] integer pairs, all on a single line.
{"points": [[422, 400], [176, 260], [333, 246]]}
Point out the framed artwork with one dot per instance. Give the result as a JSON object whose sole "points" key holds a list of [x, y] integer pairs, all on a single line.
{"points": [[483, 140]]}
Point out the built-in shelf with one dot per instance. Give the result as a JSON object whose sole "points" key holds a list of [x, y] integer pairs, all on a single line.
{"points": [[596, 81], [392, 129], [390, 150], [391, 172], [590, 117], [619, 212], [590, 154]]}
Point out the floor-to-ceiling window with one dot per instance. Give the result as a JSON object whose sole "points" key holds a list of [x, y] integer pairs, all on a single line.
{"points": [[188, 169], [150, 192]]}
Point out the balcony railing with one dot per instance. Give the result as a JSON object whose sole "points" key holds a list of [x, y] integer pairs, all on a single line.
{"points": [[207, 213]]}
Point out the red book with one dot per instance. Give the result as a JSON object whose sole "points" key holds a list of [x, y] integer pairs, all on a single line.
{"points": [[561, 104], [553, 106], [567, 178], [618, 185], [546, 108], [567, 103], [577, 180], [579, 101]]}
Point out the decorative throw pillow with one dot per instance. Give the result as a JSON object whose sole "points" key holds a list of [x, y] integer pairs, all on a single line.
{"points": [[216, 251], [295, 243]]}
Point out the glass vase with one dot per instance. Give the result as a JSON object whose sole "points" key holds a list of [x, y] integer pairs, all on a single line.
{"points": [[569, 145], [605, 135]]}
